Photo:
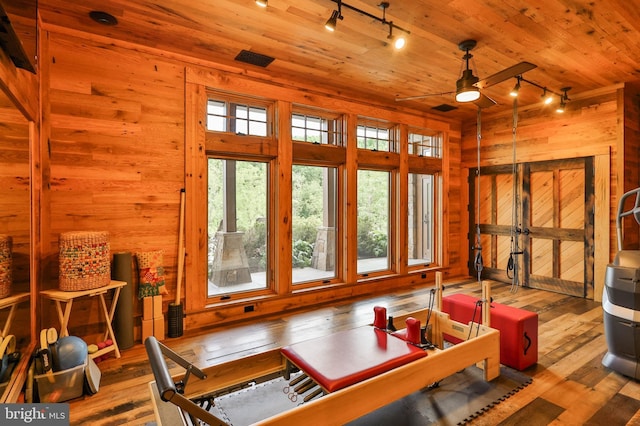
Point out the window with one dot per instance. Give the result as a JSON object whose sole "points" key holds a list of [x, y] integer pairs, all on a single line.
{"points": [[424, 145], [314, 128], [376, 136], [373, 220], [313, 222], [297, 215], [237, 225], [233, 117], [421, 219]]}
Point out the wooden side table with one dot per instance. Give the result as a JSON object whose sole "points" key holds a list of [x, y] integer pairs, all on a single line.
{"points": [[11, 302], [64, 302]]}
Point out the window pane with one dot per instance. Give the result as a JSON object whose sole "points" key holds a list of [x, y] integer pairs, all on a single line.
{"points": [[223, 116], [314, 248], [374, 138], [315, 129], [216, 116], [420, 221], [237, 220], [373, 220], [424, 145]]}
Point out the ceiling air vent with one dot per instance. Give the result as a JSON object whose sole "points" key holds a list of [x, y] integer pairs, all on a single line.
{"points": [[254, 58], [444, 108]]}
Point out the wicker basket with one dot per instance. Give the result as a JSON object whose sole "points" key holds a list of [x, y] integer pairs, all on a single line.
{"points": [[6, 243], [85, 260]]}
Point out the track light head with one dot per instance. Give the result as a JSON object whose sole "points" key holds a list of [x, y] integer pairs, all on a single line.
{"points": [[398, 41], [262, 3], [563, 100], [332, 22], [546, 98]]}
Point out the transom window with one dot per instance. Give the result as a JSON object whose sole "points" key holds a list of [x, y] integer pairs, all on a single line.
{"points": [[376, 136], [316, 128], [239, 118], [423, 144]]}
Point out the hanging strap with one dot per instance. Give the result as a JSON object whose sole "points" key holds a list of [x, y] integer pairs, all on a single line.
{"points": [[512, 263], [478, 262]]}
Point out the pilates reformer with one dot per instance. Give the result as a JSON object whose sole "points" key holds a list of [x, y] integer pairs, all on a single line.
{"points": [[374, 367]]}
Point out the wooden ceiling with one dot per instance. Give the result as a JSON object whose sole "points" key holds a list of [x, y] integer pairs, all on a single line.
{"points": [[585, 44]]}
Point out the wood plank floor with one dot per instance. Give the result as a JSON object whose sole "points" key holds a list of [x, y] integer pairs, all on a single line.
{"points": [[570, 386]]}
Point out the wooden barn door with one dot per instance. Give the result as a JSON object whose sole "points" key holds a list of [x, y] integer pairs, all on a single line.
{"points": [[554, 225]]}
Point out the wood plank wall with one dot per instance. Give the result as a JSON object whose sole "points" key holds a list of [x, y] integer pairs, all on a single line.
{"points": [[116, 120], [15, 210], [589, 127], [116, 125], [631, 157]]}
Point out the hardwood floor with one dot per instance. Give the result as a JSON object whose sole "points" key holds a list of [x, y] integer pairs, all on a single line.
{"points": [[570, 386]]}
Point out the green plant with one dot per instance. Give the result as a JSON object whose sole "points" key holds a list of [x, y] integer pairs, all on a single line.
{"points": [[302, 254]]}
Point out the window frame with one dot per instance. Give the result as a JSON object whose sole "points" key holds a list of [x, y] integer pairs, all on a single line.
{"points": [[282, 152]]}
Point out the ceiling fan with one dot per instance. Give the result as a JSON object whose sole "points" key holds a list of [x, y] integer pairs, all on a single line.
{"points": [[469, 87]]}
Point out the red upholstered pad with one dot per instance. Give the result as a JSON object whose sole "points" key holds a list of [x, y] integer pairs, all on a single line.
{"points": [[518, 328], [342, 359]]}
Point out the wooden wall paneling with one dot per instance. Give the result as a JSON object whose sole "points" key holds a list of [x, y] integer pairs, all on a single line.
{"points": [[631, 156], [19, 122], [117, 150], [20, 86], [602, 257], [590, 126], [452, 219]]}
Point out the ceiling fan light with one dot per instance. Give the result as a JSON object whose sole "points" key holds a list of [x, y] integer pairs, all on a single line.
{"points": [[561, 107], [262, 3], [332, 22], [466, 91]]}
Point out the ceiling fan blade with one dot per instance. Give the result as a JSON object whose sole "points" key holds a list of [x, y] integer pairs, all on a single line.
{"points": [[484, 101], [410, 98], [505, 74]]}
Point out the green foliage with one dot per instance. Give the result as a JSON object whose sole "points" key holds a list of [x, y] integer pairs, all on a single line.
{"points": [[371, 243], [255, 245], [302, 254], [306, 229]]}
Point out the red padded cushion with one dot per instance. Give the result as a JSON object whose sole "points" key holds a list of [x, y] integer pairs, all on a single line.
{"points": [[518, 328], [342, 359]]}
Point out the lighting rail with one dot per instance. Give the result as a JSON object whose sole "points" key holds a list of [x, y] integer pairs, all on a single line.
{"points": [[399, 41]]}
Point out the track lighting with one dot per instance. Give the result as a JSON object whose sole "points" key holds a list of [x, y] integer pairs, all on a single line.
{"points": [[399, 41], [466, 89], [562, 106], [262, 3], [332, 22], [547, 95], [516, 89], [563, 99]]}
